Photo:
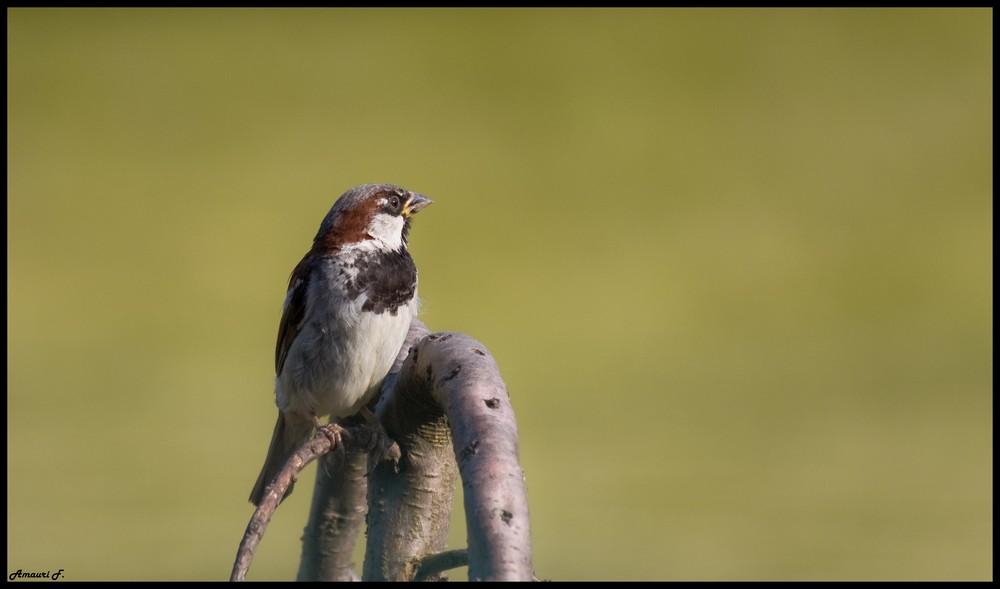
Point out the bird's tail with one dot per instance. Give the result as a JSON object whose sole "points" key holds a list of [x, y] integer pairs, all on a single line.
{"points": [[287, 438]]}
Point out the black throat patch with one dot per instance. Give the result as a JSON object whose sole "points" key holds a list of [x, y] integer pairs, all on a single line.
{"points": [[388, 278]]}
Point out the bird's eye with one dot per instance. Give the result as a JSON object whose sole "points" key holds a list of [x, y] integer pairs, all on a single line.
{"points": [[394, 202]]}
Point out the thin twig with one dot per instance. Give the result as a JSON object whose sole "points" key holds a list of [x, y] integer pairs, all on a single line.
{"points": [[435, 564], [327, 437]]}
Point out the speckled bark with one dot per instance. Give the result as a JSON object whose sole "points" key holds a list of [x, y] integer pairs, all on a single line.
{"points": [[465, 381]]}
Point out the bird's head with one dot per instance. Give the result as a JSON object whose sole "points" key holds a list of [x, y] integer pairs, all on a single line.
{"points": [[375, 216]]}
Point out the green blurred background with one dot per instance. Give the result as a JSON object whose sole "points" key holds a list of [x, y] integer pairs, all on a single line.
{"points": [[735, 266]]}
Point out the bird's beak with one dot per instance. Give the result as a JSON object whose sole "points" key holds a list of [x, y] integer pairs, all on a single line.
{"points": [[414, 204]]}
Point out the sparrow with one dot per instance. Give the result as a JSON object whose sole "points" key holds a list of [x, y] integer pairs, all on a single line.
{"points": [[347, 311]]}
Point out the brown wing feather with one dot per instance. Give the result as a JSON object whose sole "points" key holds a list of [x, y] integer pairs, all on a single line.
{"points": [[293, 313]]}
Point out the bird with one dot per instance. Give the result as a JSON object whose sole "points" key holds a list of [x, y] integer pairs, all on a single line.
{"points": [[348, 308]]}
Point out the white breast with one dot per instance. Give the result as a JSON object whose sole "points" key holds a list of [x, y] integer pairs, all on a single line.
{"points": [[340, 355]]}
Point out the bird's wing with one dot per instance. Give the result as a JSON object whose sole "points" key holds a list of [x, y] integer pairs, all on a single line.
{"points": [[293, 313]]}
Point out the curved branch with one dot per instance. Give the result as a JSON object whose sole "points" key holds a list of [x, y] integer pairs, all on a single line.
{"points": [[464, 381]]}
